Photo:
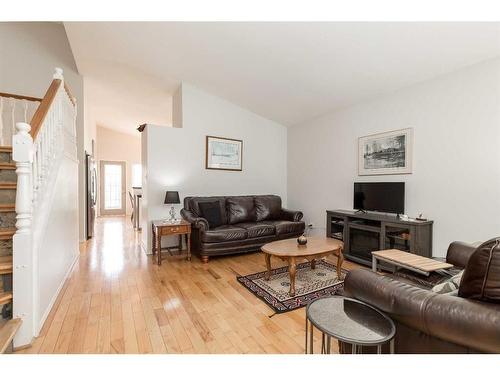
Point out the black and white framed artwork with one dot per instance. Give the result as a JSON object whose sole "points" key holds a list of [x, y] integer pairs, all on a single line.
{"points": [[386, 153]]}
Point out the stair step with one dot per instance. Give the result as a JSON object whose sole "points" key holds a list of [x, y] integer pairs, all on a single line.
{"points": [[8, 185], [5, 297], [6, 265], [6, 234], [6, 149], [11, 207], [7, 333], [7, 166]]}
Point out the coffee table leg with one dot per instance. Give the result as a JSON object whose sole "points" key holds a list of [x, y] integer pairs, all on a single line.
{"points": [[340, 260], [313, 264], [292, 268], [268, 266], [374, 264]]}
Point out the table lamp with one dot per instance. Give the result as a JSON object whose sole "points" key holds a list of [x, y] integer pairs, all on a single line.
{"points": [[172, 197]]}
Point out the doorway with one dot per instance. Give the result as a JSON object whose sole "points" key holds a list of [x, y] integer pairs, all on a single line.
{"points": [[113, 188]]}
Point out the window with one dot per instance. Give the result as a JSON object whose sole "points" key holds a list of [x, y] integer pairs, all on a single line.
{"points": [[136, 175]]}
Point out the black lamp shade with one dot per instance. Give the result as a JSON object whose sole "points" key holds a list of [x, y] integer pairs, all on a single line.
{"points": [[172, 197]]}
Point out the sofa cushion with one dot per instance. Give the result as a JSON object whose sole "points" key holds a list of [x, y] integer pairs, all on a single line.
{"points": [[224, 233], [481, 279], [258, 229], [240, 209], [211, 212], [267, 207], [286, 227]]}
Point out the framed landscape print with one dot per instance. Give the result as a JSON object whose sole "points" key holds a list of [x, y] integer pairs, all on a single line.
{"points": [[386, 153], [224, 154]]}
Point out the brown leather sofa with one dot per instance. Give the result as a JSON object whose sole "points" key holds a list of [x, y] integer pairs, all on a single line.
{"points": [[246, 223], [427, 322]]}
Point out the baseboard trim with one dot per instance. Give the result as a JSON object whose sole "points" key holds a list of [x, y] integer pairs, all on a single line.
{"points": [[145, 248], [56, 294]]}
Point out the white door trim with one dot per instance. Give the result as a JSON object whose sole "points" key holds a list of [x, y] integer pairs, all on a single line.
{"points": [[102, 209]]}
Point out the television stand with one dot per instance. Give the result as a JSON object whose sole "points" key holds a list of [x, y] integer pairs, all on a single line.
{"points": [[364, 232]]}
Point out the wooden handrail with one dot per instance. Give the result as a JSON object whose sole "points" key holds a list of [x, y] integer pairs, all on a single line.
{"points": [[22, 97], [43, 108]]}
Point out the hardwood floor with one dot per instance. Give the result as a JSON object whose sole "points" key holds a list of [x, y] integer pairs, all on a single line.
{"points": [[118, 301]]}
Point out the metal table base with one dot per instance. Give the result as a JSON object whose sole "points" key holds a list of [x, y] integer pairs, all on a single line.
{"points": [[327, 339]]}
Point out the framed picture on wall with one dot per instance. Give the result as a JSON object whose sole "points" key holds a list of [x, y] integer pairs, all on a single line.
{"points": [[386, 153], [224, 154]]}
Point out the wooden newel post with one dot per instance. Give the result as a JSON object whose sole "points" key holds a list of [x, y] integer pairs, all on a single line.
{"points": [[22, 154], [23, 256]]}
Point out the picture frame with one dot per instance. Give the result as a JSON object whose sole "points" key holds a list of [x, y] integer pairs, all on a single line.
{"points": [[224, 153], [386, 153]]}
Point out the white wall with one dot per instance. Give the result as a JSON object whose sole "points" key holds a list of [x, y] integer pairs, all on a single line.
{"points": [[456, 175], [116, 146], [59, 247], [176, 156], [30, 51]]}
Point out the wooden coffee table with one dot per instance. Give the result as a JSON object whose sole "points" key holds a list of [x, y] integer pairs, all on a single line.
{"points": [[409, 261], [289, 250]]}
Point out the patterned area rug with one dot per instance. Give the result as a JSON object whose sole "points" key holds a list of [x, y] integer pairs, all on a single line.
{"points": [[309, 285]]}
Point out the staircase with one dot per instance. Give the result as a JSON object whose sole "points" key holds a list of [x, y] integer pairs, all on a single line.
{"points": [[8, 185], [31, 155]]}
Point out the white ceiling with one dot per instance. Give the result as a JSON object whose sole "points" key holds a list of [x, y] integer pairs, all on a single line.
{"points": [[287, 72]]}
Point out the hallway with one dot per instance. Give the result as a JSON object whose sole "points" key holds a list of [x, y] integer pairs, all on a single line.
{"points": [[118, 301]]}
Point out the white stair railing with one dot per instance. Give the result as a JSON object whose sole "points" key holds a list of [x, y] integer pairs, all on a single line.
{"points": [[37, 150]]}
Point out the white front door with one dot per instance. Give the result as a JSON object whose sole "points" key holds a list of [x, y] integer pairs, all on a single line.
{"points": [[112, 197]]}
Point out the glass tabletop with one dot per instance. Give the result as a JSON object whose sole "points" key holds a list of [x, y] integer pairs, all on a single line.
{"points": [[350, 321]]}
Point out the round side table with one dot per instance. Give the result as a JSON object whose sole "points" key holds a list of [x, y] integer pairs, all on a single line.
{"points": [[350, 321]]}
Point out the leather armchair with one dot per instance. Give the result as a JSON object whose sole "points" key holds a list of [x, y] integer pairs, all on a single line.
{"points": [[427, 322]]}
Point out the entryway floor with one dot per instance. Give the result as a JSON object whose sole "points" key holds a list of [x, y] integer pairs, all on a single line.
{"points": [[117, 301]]}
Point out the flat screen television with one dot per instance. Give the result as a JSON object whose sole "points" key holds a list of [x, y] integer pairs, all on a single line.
{"points": [[380, 196]]}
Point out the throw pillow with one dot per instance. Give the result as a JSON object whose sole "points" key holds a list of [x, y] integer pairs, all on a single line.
{"points": [[211, 212], [481, 278], [450, 286]]}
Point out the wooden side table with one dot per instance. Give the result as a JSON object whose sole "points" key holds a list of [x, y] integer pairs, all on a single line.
{"points": [[412, 262], [168, 228]]}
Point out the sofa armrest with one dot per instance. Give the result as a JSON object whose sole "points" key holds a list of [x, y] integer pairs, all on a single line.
{"points": [[465, 322], [291, 215], [198, 222], [459, 253]]}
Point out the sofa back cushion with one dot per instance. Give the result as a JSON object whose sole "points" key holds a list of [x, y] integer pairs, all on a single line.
{"points": [[240, 209], [481, 279], [193, 204], [212, 212], [267, 207]]}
